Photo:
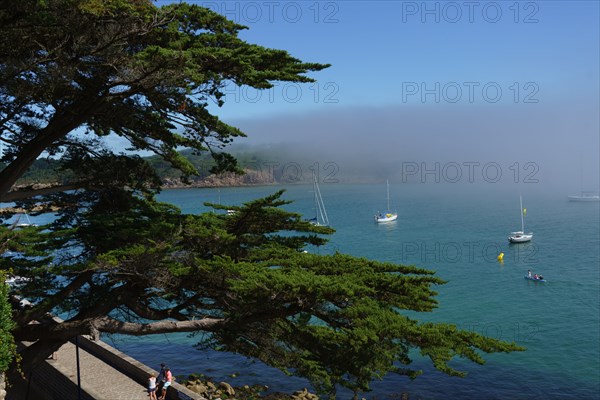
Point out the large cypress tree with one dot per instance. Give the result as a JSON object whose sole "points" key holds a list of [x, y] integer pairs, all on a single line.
{"points": [[116, 261]]}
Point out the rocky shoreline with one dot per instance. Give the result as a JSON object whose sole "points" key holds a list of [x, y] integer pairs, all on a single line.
{"points": [[207, 388], [227, 179], [210, 390]]}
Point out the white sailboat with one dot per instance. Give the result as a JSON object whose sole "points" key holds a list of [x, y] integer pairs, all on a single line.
{"points": [[22, 224], [585, 197], [321, 218], [520, 236], [388, 216]]}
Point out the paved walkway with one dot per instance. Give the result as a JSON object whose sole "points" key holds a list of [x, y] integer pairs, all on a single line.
{"points": [[99, 379]]}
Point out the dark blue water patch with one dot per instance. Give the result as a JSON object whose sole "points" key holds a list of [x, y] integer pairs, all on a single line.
{"points": [[485, 382], [184, 360], [491, 381]]}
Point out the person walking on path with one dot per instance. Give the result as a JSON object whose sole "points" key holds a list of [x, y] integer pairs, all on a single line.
{"points": [[152, 387], [168, 380], [161, 378]]}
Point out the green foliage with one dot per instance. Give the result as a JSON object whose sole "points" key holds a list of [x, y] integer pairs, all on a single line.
{"points": [[45, 171], [342, 324], [7, 344]]}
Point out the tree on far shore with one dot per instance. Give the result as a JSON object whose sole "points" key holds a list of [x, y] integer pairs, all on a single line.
{"points": [[117, 261]]}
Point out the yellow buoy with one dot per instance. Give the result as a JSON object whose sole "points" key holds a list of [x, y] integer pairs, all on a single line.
{"points": [[501, 257]]}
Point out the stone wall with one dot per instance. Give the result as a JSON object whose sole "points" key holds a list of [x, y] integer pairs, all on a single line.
{"points": [[49, 383], [132, 368]]}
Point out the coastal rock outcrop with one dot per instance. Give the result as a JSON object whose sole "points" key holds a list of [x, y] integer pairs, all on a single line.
{"points": [[206, 388], [250, 177]]}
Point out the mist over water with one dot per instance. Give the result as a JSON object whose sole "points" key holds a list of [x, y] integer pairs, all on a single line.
{"points": [[537, 146]]}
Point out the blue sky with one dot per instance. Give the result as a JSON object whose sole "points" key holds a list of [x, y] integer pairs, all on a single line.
{"points": [[378, 49], [430, 81]]}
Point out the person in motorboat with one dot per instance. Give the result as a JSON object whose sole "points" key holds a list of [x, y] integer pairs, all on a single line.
{"points": [[529, 273], [540, 277]]}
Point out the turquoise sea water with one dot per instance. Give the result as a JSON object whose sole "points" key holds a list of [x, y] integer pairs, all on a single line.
{"points": [[458, 232]]}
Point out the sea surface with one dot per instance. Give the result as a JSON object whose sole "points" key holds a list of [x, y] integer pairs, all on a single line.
{"points": [[458, 231]]}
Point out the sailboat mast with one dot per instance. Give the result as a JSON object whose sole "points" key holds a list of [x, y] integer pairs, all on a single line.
{"points": [[388, 194], [522, 222], [321, 212], [317, 205], [581, 174]]}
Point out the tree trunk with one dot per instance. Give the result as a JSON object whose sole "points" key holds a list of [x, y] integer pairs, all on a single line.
{"points": [[60, 125], [2, 386], [30, 152]]}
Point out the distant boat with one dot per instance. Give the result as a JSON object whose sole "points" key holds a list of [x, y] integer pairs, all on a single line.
{"points": [[585, 197], [532, 278], [320, 218], [16, 280], [388, 216], [520, 236], [25, 224]]}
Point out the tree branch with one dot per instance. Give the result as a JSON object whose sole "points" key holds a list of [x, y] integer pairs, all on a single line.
{"points": [[47, 305], [90, 326], [146, 312], [29, 191], [110, 325]]}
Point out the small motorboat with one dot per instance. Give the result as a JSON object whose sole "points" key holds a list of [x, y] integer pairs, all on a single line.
{"points": [[533, 278]]}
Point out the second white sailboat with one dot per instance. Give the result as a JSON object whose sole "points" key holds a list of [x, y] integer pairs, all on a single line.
{"points": [[520, 236], [388, 216]]}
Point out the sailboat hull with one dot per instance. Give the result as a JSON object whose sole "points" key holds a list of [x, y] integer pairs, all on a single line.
{"points": [[520, 237], [584, 198], [386, 218]]}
